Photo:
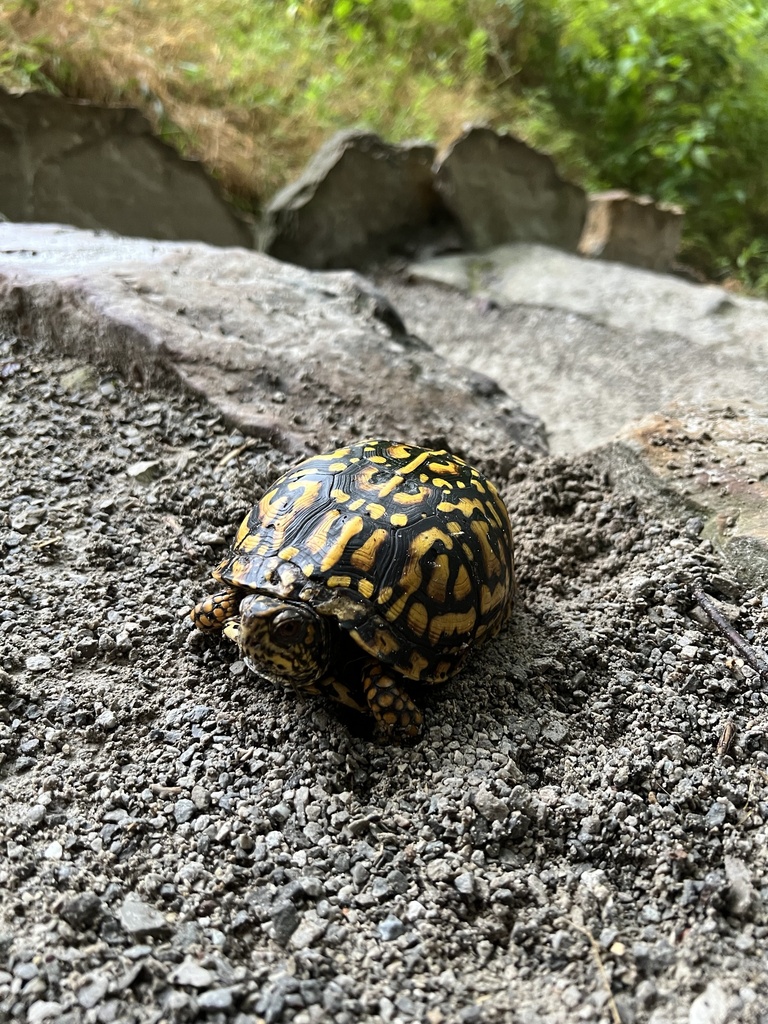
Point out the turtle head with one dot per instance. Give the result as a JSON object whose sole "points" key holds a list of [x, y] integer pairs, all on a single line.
{"points": [[284, 641]]}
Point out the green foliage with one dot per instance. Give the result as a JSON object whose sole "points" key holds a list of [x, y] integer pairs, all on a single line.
{"points": [[670, 98], [663, 97]]}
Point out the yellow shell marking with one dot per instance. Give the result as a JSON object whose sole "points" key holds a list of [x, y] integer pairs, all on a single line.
{"points": [[438, 580], [356, 504], [403, 498], [288, 553], [490, 559], [462, 584], [337, 467], [341, 496], [397, 479], [365, 587], [399, 451], [491, 599], [417, 618], [242, 532], [399, 519], [334, 553], [451, 622], [310, 489], [438, 481], [467, 506], [493, 513], [379, 459], [318, 541], [416, 666], [365, 556], [340, 453], [383, 643], [374, 510], [339, 581], [451, 468], [249, 543]]}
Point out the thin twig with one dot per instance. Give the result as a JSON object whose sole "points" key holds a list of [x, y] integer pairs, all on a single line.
{"points": [[615, 1015], [746, 650]]}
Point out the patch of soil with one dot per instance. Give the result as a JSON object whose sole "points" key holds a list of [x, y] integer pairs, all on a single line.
{"points": [[181, 839]]}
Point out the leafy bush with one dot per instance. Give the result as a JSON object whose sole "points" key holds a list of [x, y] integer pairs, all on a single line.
{"points": [[663, 97], [670, 98]]}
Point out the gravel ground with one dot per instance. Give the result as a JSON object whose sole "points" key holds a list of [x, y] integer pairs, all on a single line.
{"points": [[181, 841]]}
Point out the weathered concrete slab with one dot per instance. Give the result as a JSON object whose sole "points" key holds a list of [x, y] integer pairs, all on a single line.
{"points": [[714, 461], [359, 200], [632, 229], [103, 168], [501, 190], [282, 352]]}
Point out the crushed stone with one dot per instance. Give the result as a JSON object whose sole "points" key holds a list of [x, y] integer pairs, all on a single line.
{"points": [[182, 840]]}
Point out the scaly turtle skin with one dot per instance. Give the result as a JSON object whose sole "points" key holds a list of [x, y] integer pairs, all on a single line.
{"points": [[364, 567]]}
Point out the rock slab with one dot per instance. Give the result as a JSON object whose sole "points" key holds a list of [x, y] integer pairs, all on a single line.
{"points": [[299, 358], [712, 460], [103, 168], [631, 229], [501, 190], [359, 200]]}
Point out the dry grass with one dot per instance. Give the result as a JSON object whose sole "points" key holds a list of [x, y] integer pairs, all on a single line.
{"points": [[238, 84]]}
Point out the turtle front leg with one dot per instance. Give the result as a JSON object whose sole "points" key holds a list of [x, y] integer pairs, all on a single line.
{"points": [[214, 612], [397, 717]]}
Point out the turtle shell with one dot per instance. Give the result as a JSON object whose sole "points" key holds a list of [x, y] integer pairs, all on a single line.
{"points": [[409, 549]]}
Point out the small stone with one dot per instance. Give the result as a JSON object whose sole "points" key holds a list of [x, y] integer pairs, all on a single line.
{"points": [[43, 1009], [190, 973], [285, 921], [87, 647], [217, 999], [93, 992], [82, 911], [144, 472], [465, 883], [201, 798], [184, 810], [38, 663], [107, 721], [741, 896], [716, 815], [490, 806], [711, 1007], [54, 851], [390, 928], [82, 378], [140, 919], [310, 930]]}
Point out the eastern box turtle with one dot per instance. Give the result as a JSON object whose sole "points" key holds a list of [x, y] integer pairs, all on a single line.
{"points": [[364, 567]]}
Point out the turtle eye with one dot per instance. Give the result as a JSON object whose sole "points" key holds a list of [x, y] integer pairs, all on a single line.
{"points": [[287, 628]]}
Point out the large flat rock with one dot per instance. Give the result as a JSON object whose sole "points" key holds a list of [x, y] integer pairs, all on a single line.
{"points": [[302, 358], [588, 345]]}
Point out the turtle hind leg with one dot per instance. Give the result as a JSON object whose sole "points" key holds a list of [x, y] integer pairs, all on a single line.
{"points": [[214, 612], [397, 717]]}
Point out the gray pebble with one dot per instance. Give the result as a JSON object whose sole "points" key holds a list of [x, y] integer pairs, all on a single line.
{"points": [[285, 921], [140, 919], [184, 810], [191, 974], [38, 663], [390, 928], [221, 999]]}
